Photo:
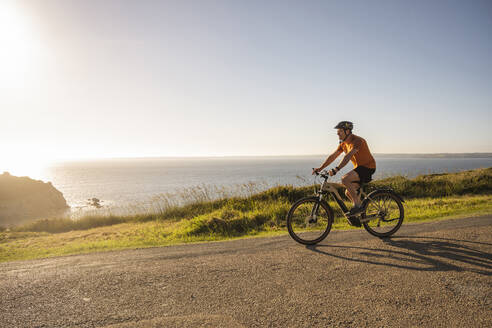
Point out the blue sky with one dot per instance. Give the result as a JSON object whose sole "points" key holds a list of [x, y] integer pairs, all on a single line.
{"points": [[88, 79]]}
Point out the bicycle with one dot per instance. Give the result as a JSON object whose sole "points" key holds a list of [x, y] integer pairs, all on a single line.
{"points": [[310, 219]]}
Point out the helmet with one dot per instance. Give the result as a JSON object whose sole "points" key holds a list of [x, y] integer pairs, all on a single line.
{"points": [[346, 125]]}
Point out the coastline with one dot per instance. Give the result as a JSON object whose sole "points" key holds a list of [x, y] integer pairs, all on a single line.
{"points": [[431, 197]]}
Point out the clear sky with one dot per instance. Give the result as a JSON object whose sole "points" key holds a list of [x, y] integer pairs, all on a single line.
{"points": [[89, 79]]}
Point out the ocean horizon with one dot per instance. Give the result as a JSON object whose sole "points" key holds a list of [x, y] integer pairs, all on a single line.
{"points": [[124, 185]]}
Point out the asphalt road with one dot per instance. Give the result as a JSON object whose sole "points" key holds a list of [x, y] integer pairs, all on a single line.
{"points": [[429, 275]]}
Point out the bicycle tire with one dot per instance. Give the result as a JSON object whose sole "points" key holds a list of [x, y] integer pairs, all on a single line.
{"points": [[392, 201], [297, 232]]}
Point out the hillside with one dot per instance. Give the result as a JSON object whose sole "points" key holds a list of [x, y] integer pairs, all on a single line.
{"points": [[23, 199]]}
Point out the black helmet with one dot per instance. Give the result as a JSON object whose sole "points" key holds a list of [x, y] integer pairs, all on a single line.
{"points": [[346, 125]]}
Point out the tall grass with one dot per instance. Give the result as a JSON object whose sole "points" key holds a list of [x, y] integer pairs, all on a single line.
{"points": [[213, 210], [181, 197], [478, 181], [219, 225]]}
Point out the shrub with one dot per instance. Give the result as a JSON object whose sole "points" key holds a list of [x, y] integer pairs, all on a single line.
{"points": [[439, 185], [236, 215]]}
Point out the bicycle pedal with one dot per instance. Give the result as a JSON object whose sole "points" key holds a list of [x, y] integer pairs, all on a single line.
{"points": [[353, 221]]}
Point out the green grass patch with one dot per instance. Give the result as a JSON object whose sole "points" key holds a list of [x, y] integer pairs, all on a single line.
{"points": [[219, 225], [260, 214], [474, 182]]}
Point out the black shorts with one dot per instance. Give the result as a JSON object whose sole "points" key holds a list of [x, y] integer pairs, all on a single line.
{"points": [[365, 173]]}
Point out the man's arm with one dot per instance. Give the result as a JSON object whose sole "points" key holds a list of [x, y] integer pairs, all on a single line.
{"points": [[347, 158], [329, 160]]}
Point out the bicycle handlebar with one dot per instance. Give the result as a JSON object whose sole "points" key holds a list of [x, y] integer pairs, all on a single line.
{"points": [[324, 174]]}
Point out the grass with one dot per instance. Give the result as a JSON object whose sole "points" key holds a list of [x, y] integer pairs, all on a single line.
{"points": [[257, 214], [477, 181]]}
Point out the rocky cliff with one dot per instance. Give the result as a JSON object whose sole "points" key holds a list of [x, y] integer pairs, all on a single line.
{"points": [[23, 199]]}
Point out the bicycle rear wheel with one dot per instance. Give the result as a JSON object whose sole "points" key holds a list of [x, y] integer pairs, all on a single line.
{"points": [[309, 220], [384, 214]]}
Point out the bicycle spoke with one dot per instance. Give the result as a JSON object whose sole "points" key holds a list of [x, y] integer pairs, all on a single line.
{"points": [[384, 204], [383, 214], [379, 204], [376, 204], [308, 222]]}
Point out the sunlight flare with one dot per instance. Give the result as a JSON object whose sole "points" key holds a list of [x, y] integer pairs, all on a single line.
{"points": [[17, 44]]}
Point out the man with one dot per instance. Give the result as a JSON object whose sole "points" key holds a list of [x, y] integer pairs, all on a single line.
{"points": [[356, 150]]}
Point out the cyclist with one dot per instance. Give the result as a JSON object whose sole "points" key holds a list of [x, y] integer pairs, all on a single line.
{"points": [[357, 151]]}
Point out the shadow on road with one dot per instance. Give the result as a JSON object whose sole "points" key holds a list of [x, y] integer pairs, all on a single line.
{"points": [[417, 253]]}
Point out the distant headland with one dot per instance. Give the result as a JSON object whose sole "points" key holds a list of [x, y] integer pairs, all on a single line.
{"points": [[437, 155], [23, 199]]}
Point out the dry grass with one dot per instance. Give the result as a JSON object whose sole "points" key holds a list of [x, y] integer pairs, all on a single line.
{"points": [[245, 209], [218, 225]]}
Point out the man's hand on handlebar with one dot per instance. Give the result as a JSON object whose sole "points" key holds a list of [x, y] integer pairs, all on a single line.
{"points": [[333, 171]]}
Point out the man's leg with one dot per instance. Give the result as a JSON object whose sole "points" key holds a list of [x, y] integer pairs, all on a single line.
{"points": [[349, 181]]}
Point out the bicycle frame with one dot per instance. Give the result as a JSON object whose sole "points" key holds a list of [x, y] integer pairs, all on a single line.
{"points": [[331, 188], [299, 222]]}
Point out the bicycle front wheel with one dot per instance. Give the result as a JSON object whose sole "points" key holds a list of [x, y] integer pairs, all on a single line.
{"points": [[384, 214], [309, 220]]}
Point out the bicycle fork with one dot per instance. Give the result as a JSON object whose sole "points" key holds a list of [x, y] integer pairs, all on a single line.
{"points": [[314, 212]]}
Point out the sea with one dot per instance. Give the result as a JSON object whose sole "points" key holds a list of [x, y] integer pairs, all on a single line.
{"points": [[136, 184]]}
